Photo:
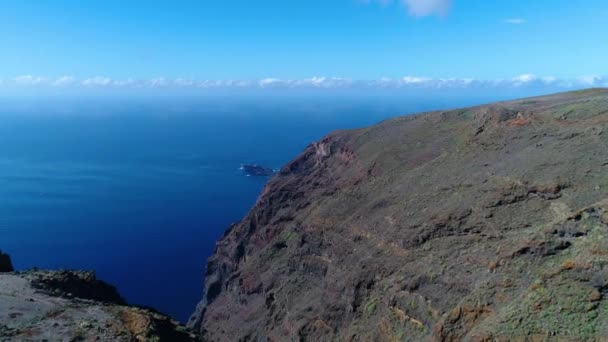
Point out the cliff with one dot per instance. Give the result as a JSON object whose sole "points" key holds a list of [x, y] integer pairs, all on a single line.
{"points": [[485, 223], [75, 306]]}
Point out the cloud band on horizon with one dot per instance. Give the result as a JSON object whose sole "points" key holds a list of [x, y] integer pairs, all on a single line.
{"points": [[407, 82]]}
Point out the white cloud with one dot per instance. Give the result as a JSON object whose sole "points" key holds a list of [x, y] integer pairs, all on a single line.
{"points": [[514, 21], [241, 84], [321, 82], [97, 81], [524, 79], [531, 79], [414, 80], [591, 80], [270, 82], [184, 82], [423, 82], [29, 80], [208, 84], [422, 8], [64, 81], [129, 82], [313, 82], [549, 80]]}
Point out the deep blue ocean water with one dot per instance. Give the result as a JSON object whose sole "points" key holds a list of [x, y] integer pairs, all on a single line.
{"points": [[140, 189]]}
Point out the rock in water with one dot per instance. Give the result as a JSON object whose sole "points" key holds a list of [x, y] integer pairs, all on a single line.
{"points": [[477, 224], [257, 170], [6, 264]]}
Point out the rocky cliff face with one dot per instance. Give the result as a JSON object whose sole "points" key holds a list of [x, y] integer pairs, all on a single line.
{"points": [[75, 306], [486, 223]]}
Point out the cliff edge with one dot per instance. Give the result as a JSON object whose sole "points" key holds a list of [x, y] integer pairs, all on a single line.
{"points": [[485, 223], [75, 306]]}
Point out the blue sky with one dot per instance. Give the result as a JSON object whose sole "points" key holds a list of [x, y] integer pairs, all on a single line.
{"points": [[101, 43]]}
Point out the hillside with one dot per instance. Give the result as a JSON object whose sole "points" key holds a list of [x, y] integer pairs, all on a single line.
{"points": [[485, 223]]}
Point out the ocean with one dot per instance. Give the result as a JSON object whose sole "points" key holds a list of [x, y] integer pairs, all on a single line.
{"points": [[139, 189]]}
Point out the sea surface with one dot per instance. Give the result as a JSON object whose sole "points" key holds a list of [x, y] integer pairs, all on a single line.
{"points": [[139, 189]]}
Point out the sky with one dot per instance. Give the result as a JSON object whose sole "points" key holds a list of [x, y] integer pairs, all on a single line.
{"points": [[303, 43]]}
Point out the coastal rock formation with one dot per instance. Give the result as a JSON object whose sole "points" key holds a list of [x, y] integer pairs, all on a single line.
{"points": [[6, 265], [479, 224], [75, 306]]}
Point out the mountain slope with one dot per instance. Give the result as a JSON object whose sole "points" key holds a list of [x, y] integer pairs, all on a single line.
{"points": [[471, 224]]}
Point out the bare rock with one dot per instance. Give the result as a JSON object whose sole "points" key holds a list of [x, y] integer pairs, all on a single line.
{"points": [[75, 306]]}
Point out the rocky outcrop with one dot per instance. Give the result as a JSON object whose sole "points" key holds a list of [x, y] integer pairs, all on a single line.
{"points": [[6, 265], [79, 284], [74, 306], [480, 224]]}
